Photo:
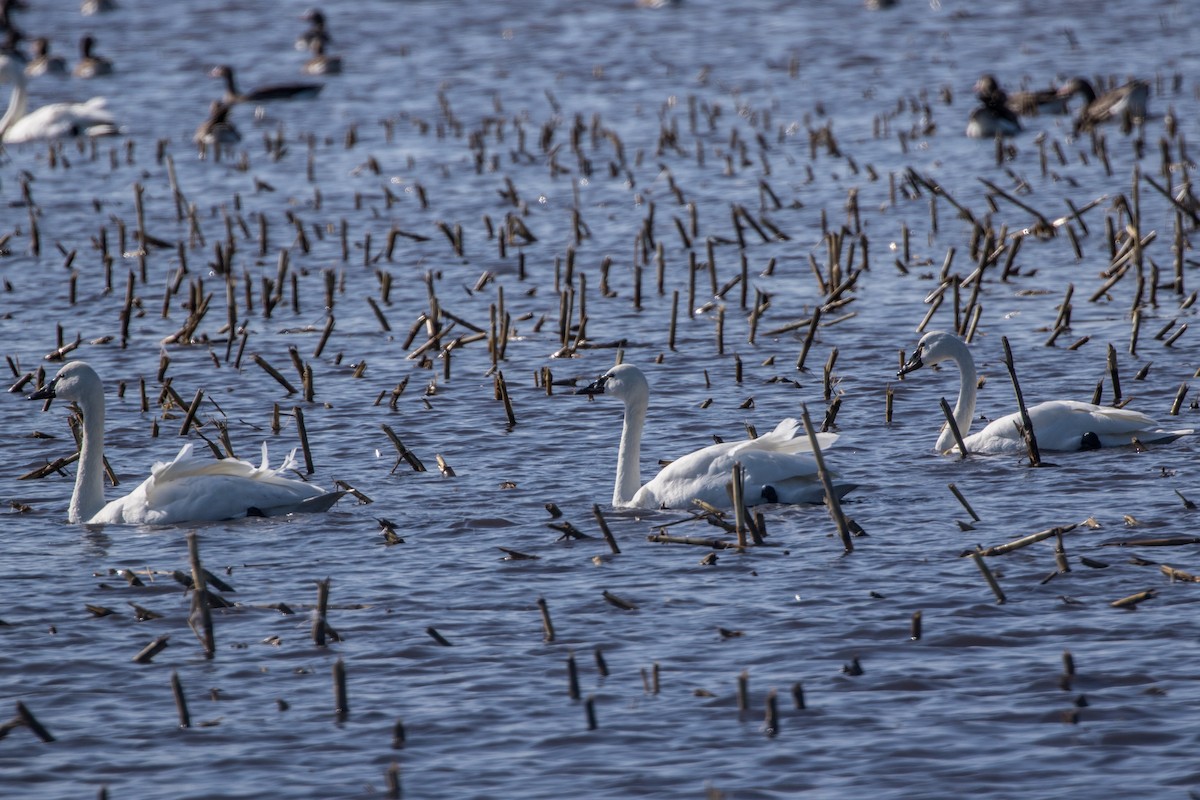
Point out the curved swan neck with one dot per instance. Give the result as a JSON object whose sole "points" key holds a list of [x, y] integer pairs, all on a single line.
{"points": [[629, 477], [16, 103], [964, 407], [88, 497]]}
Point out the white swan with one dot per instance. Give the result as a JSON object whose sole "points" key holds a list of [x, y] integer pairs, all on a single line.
{"points": [[1063, 425], [54, 121], [187, 489], [778, 467]]}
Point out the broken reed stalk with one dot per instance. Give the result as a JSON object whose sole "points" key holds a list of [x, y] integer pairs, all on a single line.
{"points": [[1113, 376], [185, 719], [1035, 457], [953, 425], [739, 507], [392, 778], [319, 624], [589, 707], [771, 722], [547, 625], [959, 495], [572, 676], [147, 653], [341, 705], [190, 418], [201, 612], [30, 721], [743, 691], [502, 389], [831, 498], [977, 555], [1025, 541], [608, 537], [274, 373], [298, 413], [915, 627]]}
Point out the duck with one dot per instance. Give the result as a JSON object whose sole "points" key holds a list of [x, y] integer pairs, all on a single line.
{"points": [[187, 489], [217, 130], [90, 8], [992, 117], [1025, 103], [1059, 425], [316, 33], [54, 121], [91, 65], [321, 64], [263, 94], [1127, 102], [42, 62], [779, 466]]}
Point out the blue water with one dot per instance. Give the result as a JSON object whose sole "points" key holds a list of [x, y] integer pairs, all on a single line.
{"points": [[977, 706]]}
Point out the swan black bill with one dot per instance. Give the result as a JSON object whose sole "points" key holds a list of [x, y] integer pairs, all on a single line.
{"points": [[594, 388], [46, 392], [912, 365]]}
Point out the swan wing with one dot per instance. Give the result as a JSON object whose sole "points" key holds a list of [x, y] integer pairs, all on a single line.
{"points": [[190, 488], [63, 120], [787, 437], [706, 473]]}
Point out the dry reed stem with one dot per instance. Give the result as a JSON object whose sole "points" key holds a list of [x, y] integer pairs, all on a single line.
{"points": [[201, 612], [547, 624], [831, 498]]}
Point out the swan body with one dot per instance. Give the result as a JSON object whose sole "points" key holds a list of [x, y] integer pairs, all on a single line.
{"points": [[778, 466], [285, 91], [54, 121], [187, 489], [1062, 425]]}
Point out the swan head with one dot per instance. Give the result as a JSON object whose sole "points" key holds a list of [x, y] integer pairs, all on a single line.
{"points": [[74, 382], [624, 381], [934, 347]]}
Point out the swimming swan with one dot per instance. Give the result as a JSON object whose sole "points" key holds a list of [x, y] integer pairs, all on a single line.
{"points": [[1063, 425], [778, 467], [184, 490], [54, 121]]}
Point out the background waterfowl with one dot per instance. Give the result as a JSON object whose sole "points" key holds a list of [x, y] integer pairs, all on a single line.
{"points": [[778, 466], [992, 117], [91, 65], [217, 130], [1124, 103], [1064, 425], [54, 121], [316, 33], [43, 63], [1023, 103], [321, 64], [187, 489], [263, 94]]}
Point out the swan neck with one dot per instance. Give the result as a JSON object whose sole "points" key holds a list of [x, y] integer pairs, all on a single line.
{"points": [[629, 478], [964, 407], [16, 105], [88, 497]]}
